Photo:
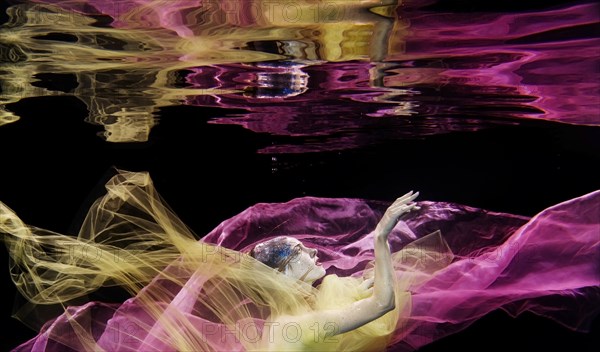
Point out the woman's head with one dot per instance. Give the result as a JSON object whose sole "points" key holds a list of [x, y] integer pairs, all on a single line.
{"points": [[291, 257]]}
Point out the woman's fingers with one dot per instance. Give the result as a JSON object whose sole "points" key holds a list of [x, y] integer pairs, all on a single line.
{"points": [[401, 209], [366, 284], [403, 202], [405, 199], [402, 205]]}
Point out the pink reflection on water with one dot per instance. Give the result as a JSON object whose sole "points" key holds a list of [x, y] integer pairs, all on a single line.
{"points": [[331, 105], [441, 72], [554, 56], [518, 65]]}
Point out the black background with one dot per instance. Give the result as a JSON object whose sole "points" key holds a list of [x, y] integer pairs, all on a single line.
{"points": [[54, 165]]}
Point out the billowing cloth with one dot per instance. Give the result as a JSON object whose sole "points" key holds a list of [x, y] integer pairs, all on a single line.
{"points": [[454, 264]]}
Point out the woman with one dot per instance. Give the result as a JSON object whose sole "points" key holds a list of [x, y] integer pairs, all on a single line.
{"points": [[290, 256], [212, 295]]}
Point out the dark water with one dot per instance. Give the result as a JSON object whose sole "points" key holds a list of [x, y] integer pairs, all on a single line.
{"points": [[231, 103]]}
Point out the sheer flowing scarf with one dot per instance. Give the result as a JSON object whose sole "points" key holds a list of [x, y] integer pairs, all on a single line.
{"points": [[454, 264]]}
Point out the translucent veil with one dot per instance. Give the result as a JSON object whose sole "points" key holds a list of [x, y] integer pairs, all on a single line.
{"points": [[131, 239], [454, 264]]}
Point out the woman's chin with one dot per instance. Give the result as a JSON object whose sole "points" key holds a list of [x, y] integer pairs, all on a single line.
{"points": [[322, 271], [318, 274]]}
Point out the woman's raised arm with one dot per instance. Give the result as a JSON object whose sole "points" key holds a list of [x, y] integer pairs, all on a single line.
{"points": [[383, 298]]}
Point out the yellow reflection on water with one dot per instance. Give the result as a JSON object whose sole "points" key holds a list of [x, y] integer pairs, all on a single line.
{"points": [[126, 71]]}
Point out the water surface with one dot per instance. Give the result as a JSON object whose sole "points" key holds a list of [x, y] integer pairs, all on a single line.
{"points": [[332, 75]]}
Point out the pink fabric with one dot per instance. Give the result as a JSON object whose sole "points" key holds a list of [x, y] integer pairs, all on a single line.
{"points": [[547, 265]]}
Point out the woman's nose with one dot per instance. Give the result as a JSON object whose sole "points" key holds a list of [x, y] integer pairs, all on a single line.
{"points": [[312, 252]]}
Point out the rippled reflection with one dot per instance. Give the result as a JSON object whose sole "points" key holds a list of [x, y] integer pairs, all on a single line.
{"points": [[340, 72]]}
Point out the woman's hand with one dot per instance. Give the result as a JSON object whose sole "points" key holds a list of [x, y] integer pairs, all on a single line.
{"points": [[366, 287], [401, 206], [366, 284], [381, 297]]}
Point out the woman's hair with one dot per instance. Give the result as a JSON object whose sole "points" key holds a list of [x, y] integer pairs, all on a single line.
{"points": [[276, 252]]}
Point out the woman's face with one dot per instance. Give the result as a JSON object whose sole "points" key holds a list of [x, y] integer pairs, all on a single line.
{"points": [[303, 264]]}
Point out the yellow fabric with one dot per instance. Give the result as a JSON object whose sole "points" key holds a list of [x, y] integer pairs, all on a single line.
{"points": [[130, 238], [340, 292]]}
